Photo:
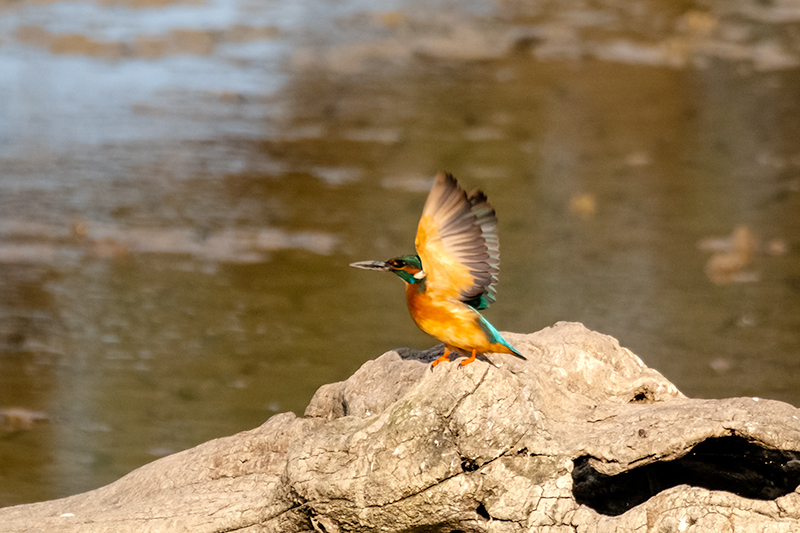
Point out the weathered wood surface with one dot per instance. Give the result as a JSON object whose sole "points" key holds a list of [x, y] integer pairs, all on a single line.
{"points": [[525, 446]]}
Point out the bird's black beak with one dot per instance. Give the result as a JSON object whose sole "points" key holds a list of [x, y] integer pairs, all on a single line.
{"points": [[371, 265]]}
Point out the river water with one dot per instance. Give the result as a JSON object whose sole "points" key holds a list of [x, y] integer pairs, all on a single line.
{"points": [[183, 184]]}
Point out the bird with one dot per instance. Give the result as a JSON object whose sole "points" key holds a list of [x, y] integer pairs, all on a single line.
{"points": [[453, 275]]}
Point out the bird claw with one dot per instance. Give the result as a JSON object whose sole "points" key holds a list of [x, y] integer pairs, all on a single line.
{"points": [[444, 357], [471, 358]]}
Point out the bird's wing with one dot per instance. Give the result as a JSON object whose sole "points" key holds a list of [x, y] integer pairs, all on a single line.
{"points": [[458, 245]]}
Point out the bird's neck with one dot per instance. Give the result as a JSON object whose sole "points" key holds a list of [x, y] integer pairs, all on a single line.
{"points": [[418, 287]]}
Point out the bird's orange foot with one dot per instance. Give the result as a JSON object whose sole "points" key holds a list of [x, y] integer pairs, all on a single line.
{"points": [[445, 356], [471, 358]]}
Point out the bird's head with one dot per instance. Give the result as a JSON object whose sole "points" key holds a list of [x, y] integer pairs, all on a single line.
{"points": [[408, 267]]}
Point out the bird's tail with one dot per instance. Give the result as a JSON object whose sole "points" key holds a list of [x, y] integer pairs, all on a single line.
{"points": [[495, 338], [513, 351]]}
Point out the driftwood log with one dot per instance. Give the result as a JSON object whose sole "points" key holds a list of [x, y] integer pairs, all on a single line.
{"points": [[583, 437]]}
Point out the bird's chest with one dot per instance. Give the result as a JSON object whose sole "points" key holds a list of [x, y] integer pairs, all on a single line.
{"points": [[450, 322]]}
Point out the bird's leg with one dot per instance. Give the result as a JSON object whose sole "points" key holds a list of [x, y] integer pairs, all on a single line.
{"points": [[471, 358], [445, 356]]}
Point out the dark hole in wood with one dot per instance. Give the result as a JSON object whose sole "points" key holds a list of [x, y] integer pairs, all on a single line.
{"points": [[468, 465], [482, 512], [732, 464]]}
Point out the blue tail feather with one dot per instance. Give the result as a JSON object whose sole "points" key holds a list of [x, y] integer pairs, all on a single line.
{"points": [[494, 336]]}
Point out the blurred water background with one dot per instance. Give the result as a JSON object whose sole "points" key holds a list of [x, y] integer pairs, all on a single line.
{"points": [[183, 184]]}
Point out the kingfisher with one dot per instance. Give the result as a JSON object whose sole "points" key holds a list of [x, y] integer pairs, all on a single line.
{"points": [[453, 275]]}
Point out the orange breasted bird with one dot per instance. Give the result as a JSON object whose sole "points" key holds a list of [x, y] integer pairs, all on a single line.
{"points": [[454, 272]]}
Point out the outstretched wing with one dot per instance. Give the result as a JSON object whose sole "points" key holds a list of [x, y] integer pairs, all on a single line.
{"points": [[458, 245]]}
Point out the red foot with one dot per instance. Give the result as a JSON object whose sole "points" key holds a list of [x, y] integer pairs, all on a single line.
{"points": [[470, 359], [444, 357]]}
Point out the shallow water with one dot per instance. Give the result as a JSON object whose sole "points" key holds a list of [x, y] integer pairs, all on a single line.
{"points": [[183, 186]]}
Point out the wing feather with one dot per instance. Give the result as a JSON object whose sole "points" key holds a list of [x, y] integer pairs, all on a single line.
{"points": [[457, 243]]}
